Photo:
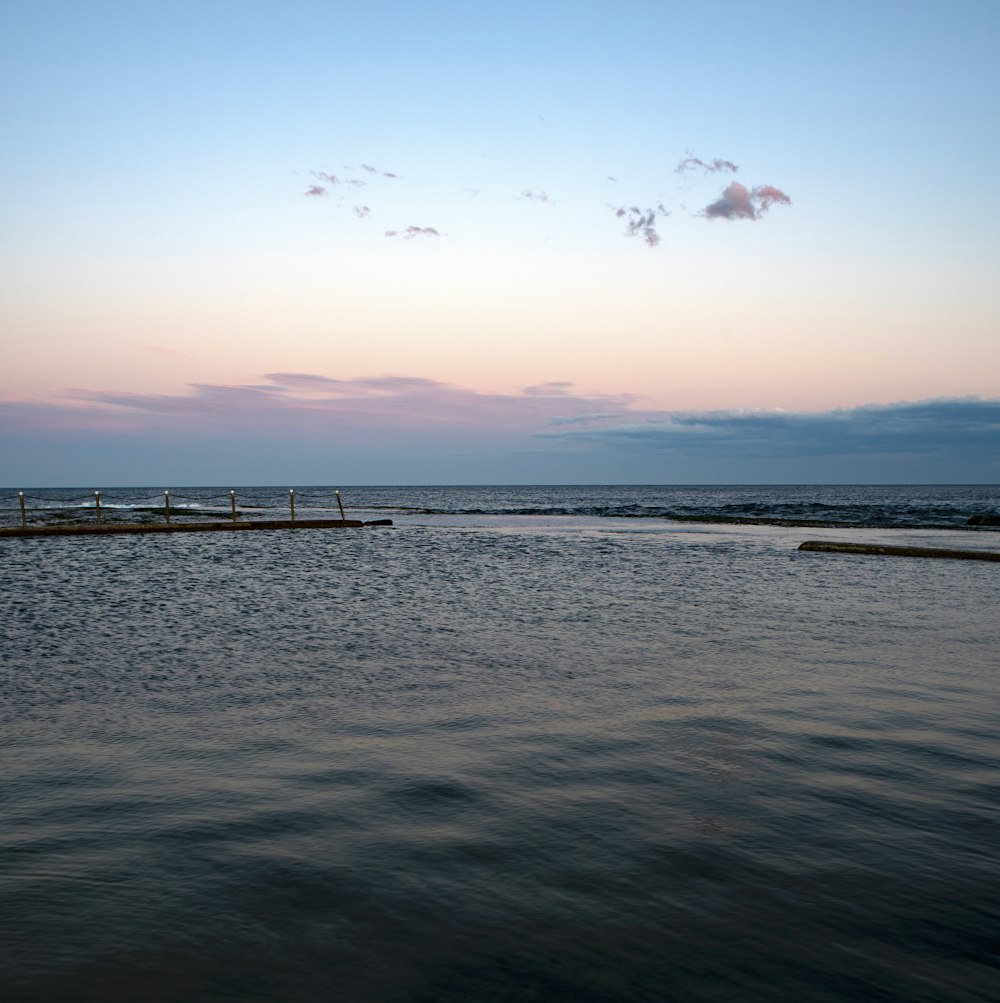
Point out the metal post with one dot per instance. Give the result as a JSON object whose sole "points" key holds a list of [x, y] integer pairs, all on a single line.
{"points": [[340, 505], [232, 498], [97, 502], [24, 520], [166, 505], [291, 499]]}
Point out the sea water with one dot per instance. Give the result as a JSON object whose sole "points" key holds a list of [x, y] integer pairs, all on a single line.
{"points": [[526, 744]]}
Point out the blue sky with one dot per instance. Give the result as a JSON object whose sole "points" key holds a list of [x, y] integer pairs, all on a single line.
{"points": [[160, 253]]}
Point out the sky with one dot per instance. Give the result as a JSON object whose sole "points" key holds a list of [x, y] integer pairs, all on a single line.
{"points": [[390, 243]]}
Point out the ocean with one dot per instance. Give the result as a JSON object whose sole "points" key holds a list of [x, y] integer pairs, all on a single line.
{"points": [[596, 744]]}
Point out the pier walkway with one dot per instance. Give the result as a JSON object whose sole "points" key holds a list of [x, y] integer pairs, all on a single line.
{"points": [[113, 529]]}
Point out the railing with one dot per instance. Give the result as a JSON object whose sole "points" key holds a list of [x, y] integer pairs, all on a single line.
{"points": [[234, 512]]}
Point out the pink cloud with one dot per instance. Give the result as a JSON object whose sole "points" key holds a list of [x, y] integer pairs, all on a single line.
{"points": [[555, 388], [313, 405], [315, 191], [769, 195], [738, 202], [734, 203]]}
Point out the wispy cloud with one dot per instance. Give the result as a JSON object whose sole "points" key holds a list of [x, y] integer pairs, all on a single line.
{"points": [[739, 202], [709, 167], [303, 399], [641, 217], [641, 222], [768, 195], [735, 202], [555, 388], [410, 232], [361, 211]]}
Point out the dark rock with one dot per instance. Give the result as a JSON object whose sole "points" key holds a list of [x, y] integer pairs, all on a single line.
{"points": [[881, 550]]}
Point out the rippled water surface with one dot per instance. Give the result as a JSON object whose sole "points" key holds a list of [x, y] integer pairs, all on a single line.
{"points": [[498, 757]]}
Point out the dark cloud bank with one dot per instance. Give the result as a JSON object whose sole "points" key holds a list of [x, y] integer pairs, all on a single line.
{"points": [[397, 429], [968, 426]]}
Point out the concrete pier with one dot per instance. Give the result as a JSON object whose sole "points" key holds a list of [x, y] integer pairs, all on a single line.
{"points": [[93, 529]]}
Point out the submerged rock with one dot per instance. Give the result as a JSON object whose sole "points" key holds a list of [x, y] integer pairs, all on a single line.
{"points": [[881, 550]]}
